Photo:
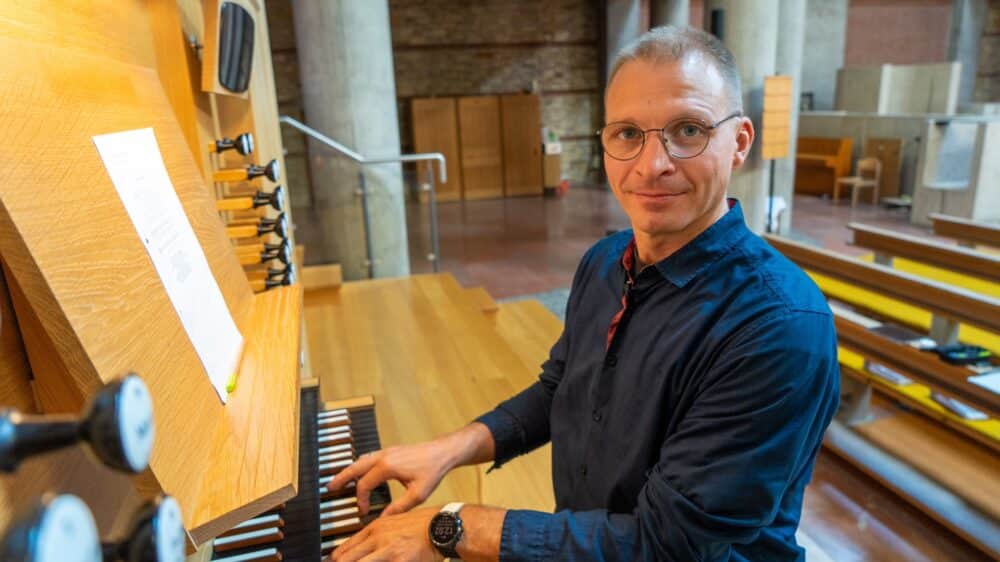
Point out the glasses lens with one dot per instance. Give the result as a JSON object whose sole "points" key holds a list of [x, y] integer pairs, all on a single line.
{"points": [[622, 140], [686, 139]]}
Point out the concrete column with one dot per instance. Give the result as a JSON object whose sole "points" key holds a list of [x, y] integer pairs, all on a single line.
{"points": [[669, 12], [750, 30], [791, 34], [826, 35], [349, 93], [624, 21], [967, 17]]}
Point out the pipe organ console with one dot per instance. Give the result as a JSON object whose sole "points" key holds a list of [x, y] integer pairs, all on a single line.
{"points": [[73, 317], [314, 522]]}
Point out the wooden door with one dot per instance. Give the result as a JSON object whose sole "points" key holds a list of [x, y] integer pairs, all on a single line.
{"points": [[481, 146], [522, 144], [889, 153], [435, 129]]}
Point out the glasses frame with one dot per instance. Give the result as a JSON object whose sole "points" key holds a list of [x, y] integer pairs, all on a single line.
{"points": [[666, 145]]}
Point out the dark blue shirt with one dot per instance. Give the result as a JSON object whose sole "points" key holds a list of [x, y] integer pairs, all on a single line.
{"points": [[692, 435]]}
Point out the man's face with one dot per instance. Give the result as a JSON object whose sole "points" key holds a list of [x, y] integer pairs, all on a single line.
{"points": [[665, 196]]}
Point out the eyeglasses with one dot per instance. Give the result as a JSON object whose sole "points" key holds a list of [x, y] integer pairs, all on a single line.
{"points": [[683, 138]]}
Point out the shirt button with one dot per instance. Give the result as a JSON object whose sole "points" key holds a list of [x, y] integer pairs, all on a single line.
{"points": [[597, 415], [611, 360], [583, 470]]}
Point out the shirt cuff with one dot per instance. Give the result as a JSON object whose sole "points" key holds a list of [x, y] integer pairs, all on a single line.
{"points": [[523, 536], [508, 436]]}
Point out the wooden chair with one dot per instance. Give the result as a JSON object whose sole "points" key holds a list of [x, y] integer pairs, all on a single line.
{"points": [[869, 175]]}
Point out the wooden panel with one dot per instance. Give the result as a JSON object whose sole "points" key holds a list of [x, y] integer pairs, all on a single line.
{"points": [[947, 256], [179, 69], [15, 375], [962, 466], [432, 361], [435, 129], [889, 153], [96, 303], [522, 144], [953, 302], [481, 147], [777, 116], [966, 230]]}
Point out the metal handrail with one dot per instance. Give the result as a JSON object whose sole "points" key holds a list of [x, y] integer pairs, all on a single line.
{"points": [[363, 160]]}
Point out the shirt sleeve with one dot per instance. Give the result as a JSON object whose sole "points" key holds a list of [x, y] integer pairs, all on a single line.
{"points": [[753, 430], [521, 424]]}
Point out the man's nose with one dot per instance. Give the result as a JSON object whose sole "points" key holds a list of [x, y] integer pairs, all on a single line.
{"points": [[654, 159]]}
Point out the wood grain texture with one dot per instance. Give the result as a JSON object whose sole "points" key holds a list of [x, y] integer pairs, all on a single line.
{"points": [[15, 373], [253, 459], [435, 129], [947, 256], [939, 298], [963, 467], [966, 230], [521, 123], [890, 153], [431, 359], [481, 147], [98, 307]]}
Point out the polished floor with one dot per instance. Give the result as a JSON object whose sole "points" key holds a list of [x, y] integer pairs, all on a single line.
{"points": [[521, 246]]}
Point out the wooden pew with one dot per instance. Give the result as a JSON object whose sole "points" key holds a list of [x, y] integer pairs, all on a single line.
{"points": [[932, 458], [967, 232], [887, 244]]}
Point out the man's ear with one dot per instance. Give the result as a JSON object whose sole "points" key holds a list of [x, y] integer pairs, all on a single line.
{"points": [[744, 140]]}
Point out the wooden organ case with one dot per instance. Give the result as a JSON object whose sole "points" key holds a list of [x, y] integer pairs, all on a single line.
{"points": [[81, 304]]}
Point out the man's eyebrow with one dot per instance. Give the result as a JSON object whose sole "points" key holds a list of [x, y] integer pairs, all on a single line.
{"points": [[694, 115]]}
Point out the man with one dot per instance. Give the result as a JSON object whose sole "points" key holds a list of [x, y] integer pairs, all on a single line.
{"points": [[688, 394]]}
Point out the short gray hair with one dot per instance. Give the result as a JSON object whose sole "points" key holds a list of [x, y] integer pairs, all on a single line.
{"points": [[673, 43]]}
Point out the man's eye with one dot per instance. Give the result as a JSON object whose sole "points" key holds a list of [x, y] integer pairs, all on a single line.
{"points": [[629, 133], [689, 130]]}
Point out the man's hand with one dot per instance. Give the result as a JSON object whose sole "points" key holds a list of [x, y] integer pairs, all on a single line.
{"points": [[396, 538], [419, 468]]}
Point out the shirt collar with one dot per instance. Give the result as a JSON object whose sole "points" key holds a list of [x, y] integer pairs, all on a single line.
{"points": [[694, 257]]}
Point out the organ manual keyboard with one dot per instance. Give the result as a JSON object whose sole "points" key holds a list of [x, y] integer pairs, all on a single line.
{"points": [[310, 525]]}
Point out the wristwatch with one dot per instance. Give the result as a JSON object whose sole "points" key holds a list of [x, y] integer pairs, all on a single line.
{"points": [[446, 530]]}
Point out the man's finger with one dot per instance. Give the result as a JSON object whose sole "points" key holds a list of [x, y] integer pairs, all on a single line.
{"points": [[409, 500], [357, 469], [355, 547], [365, 485]]}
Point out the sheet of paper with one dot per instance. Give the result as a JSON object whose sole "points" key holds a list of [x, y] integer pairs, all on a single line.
{"points": [[136, 168], [989, 381]]}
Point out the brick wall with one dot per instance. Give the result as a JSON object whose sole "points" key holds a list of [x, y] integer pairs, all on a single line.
{"points": [[988, 76], [897, 32], [456, 47]]}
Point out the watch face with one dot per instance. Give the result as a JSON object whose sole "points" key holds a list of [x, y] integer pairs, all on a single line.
{"points": [[444, 527]]}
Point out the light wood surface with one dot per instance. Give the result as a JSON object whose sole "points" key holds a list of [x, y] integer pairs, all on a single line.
{"points": [[93, 303], [321, 276], [435, 129], [967, 469], [432, 360], [953, 302], [967, 230], [253, 460], [481, 147], [948, 256], [15, 374], [521, 121], [482, 299], [776, 117], [889, 152]]}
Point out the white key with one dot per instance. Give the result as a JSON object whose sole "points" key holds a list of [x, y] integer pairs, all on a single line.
{"points": [[251, 556]]}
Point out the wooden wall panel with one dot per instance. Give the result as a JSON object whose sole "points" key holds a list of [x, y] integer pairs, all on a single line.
{"points": [[890, 154], [522, 144], [481, 146], [435, 129]]}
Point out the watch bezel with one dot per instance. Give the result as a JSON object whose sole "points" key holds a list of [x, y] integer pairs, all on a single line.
{"points": [[446, 548]]}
